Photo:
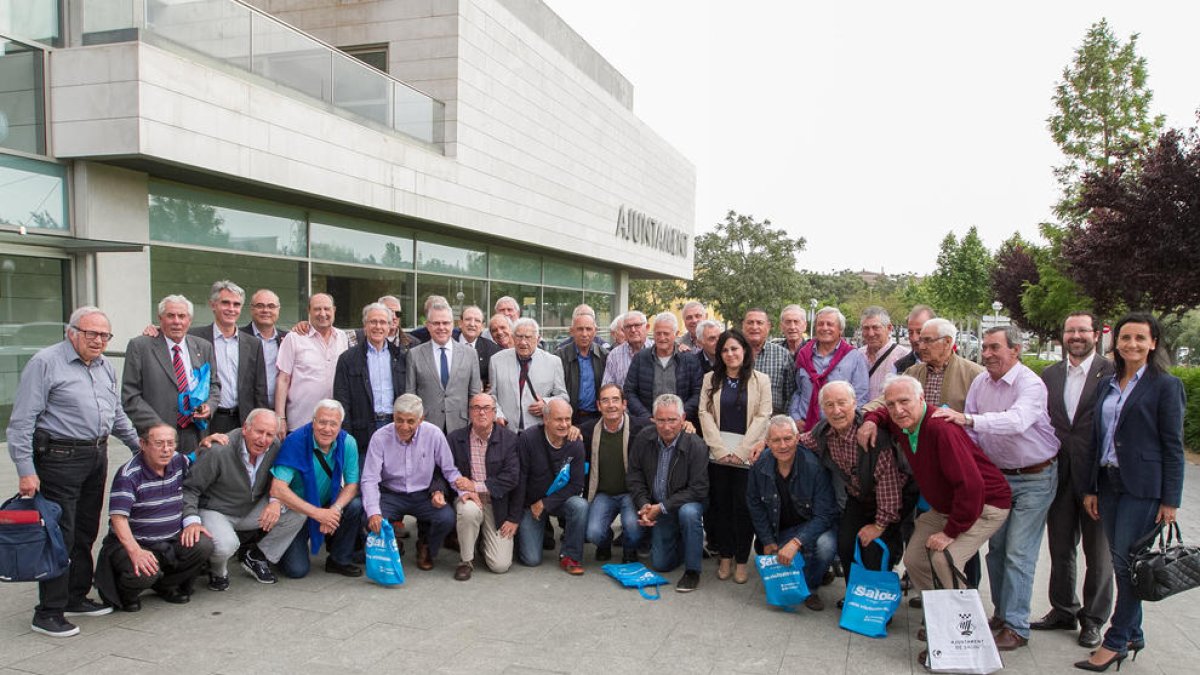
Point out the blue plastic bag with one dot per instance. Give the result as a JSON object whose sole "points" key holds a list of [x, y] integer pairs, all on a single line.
{"points": [[872, 596], [383, 557], [784, 584], [636, 575], [561, 478], [186, 401]]}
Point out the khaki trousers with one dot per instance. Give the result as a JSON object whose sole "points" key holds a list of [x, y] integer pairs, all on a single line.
{"points": [[473, 523], [966, 545]]}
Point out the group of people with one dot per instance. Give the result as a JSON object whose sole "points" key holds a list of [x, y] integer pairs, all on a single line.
{"points": [[260, 445]]}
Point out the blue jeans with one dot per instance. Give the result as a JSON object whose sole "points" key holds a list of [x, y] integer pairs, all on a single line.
{"points": [[600, 515], [529, 534], [1126, 519], [295, 561], [1013, 549], [816, 558], [684, 525]]}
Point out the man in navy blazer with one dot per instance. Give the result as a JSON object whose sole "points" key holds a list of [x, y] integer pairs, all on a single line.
{"points": [[369, 377], [647, 377], [486, 453]]}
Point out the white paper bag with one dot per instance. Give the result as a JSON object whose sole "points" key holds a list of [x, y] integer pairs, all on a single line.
{"points": [[959, 638]]}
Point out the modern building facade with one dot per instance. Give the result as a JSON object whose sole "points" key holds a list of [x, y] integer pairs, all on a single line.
{"points": [[468, 148]]}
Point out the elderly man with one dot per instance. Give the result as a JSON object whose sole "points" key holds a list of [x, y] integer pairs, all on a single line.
{"points": [[500, 329], [398, 477], [159, 369], [969, 497], [583, 366], [421, 333], [825, 358], [238, 358], [65, 407], [667, 480], [227, 494], [793, 323], [486, 454], [634, 329], [770, 359], [607, 443], [524, 378], [663, 370], [879, 349], [508, 307], [792, 505], [316, 473], [693, 313], [369, 376], [443, 373], [1072, 387], [708, 332], [147, 546], [307, 364], [945, 376], [470, 333], [1006, 416], [264, 317], [616, 332], [916, 319], [547, 458]]}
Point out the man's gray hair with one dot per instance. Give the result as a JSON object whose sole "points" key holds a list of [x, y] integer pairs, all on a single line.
{"points": [[667, 401], [505, 299], [617, 323], [439, 306], [468, 308], [705, 325], [526, 321], [668, 317], [1012, 334], [376, 307], [409, 404], [384, 299], [841, 318], [225, 285], [694, 303], [633, 314], [330, 404], [943, 327], [834, 385], [875, 312], [254, 414], [584, 309], [909, 381], [792, 308], [434, 299], [162, 304], [783, 421], [491, 398], [918, 310], [79, 314]]}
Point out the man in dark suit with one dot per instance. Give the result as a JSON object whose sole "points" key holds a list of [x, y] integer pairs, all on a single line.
{"points": [[583, 367], [264, 313], [916, 319], [486, 454], [470, 333], [443, 372], [158, 369], [1072, 385], [369, 377], [238, 359], [648, 377]]}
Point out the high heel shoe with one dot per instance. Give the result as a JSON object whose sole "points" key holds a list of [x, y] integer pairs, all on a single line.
{"points": [[1117, 658], [1136, 646]]}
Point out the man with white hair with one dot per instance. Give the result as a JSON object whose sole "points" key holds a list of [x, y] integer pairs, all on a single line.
{"points": [[663, 369], [945, 376], [708, 332], [825, 358], [238, 358], [879, 349], [616, 332], [443, 372], [634, 329], [793, 323], [369, 376], [693, 313], [524, 378]]}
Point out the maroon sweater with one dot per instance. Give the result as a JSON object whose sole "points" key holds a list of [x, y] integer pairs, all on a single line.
{"points": [[954, 475]]}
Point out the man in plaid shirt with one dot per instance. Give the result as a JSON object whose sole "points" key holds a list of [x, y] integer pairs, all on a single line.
{"points": [[770, 359]]}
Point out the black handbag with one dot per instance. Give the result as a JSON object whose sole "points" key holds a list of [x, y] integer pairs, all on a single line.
{"points": [[1171, 568]]}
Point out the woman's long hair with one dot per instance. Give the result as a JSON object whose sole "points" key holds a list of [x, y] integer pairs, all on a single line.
{"points": [[1159, 359], [720, 371]]}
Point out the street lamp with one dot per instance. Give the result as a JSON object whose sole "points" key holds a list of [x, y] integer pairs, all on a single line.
{"points": [[996, 307], [812, 314]]}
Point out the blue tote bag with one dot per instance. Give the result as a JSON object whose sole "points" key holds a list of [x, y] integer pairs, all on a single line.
{"points": [[636, 575], [784, 584], [872, 596], [383, 557], [31, 543]]}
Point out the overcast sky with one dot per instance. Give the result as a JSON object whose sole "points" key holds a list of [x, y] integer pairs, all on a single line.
{"points": [[874, 128]]}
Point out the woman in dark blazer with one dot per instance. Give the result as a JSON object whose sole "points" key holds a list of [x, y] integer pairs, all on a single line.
{"points": [[1138, 477]]}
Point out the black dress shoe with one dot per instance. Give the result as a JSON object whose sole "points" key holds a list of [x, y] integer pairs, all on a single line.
{"points": [[604, 554], [1117, 658], [176, 597], [347, 570], [1055, 621], [1089, 635]]}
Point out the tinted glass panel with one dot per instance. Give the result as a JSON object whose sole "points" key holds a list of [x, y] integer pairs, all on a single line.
{"points": [[459, 292], [32, 315], [563, 274], [353, 288], [32, 193], [446, 258], [192, 273], [22, 105], [356, 241], [194, 216], [514, 266]]}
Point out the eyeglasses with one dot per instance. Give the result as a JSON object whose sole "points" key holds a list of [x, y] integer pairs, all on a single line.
{"points": [[929, 340], [523, 338], [397, 314], [264, 305], [158, 445], [90, 335], [481, 408]]}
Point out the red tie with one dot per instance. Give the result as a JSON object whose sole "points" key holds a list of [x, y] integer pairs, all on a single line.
{"points": [[181, 383]]}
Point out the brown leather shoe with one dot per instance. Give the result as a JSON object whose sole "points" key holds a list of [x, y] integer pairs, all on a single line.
{"points": [[462, 572], [922, 635], [424, 560], [995, 623], [923, 658], [1008, 640], [814, 603]]}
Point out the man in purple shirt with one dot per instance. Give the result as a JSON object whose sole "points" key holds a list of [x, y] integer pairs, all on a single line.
{"points": [[398, 480], [1005, 414]]}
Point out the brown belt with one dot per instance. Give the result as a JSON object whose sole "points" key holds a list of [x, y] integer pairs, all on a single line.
{"points": [[1027, 470]]}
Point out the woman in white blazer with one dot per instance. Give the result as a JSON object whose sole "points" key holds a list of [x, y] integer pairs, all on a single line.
{"points": [[735, 406]]}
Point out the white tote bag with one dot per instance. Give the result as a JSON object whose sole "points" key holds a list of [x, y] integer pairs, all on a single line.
{"points": [[957, 628]]}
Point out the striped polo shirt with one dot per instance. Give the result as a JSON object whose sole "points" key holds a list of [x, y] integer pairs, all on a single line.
{"points": [[153, 504]]}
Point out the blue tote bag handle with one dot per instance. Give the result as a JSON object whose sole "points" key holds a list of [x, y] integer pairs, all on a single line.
{"points": [[882, 561]]}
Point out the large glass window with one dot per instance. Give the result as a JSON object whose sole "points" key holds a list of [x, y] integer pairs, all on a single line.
{"points": [[353, 288], [190, 215], [32, 193], [527, 296], [557, 306], [33, 309], [603, 303], [515, 266], [33, 19], [22, 103], [448, 257], [563, 274], [599, 280], [460, 292], [350, 240], [192, 273]]}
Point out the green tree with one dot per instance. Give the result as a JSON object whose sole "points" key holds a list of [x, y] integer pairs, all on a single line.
{"points": [[1047, 301], [1103, 110], [745, 263], [652, 296], [961, 284]]}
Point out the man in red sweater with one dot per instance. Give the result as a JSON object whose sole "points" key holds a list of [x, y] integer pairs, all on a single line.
{"points": [[970, 498]]}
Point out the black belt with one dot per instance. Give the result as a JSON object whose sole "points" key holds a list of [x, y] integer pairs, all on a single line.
{"points": [[75, 443], [1027, 470], [227, 411]]}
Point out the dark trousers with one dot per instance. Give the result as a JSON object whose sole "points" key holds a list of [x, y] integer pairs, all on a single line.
{"points": [[178, 565], [73, 478], [419, 505], [223, 423], [854, 517], [1067, 524], [340, 543], [730, 530], [1126, 519]]}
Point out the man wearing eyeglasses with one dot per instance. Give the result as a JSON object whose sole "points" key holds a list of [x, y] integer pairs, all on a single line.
{"points": [[945, 376], [67, 405], [264, 313]]}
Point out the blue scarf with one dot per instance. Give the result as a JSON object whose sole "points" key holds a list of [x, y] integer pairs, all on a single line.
{"points": [[297, 453]]}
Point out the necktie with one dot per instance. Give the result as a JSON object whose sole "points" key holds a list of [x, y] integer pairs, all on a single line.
{"points": [[181, 384], [523, 380], [445, 369]]}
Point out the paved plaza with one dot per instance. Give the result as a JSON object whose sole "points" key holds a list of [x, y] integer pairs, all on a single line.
{"points": [[527, 621]]}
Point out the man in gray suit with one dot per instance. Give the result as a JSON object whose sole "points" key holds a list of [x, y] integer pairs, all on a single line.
{"points": [[443, 372], [1072, 385], [524, 378], [238, 359], [158, 369]]}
